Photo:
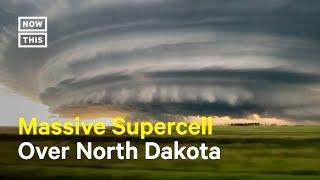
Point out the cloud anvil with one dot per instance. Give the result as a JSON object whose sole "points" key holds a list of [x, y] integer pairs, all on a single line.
{"points": [[177, 57]]}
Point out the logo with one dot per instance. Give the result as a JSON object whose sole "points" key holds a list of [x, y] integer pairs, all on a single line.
{"points": [[32, 32]]}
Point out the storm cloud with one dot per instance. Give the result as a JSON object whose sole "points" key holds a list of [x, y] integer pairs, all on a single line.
{"points": [[183, 57]]}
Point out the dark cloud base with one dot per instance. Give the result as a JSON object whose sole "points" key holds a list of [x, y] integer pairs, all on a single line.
{"points": [[181, 57]]}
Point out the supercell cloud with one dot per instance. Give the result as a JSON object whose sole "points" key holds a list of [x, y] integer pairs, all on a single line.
{"points": [[178, 57]]}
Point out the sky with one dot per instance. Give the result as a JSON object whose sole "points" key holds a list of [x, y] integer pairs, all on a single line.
{"points": [[156, 58]]}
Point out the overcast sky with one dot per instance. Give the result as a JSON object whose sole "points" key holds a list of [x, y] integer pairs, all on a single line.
{"points": [[183, 57]]}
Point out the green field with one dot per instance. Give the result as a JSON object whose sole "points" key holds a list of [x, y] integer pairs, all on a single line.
{"points": [[253, 152]]}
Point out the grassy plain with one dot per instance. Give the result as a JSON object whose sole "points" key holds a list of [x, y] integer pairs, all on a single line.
{"points": [[253, 152]]}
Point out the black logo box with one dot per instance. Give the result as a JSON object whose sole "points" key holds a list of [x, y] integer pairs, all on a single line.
{"points": [[31, 23]]}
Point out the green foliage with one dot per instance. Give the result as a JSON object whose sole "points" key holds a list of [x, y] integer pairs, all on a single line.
{"points": [[257, 152]]}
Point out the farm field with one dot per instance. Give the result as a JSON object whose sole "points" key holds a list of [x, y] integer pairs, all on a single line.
{"points": [[247, 152]]}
